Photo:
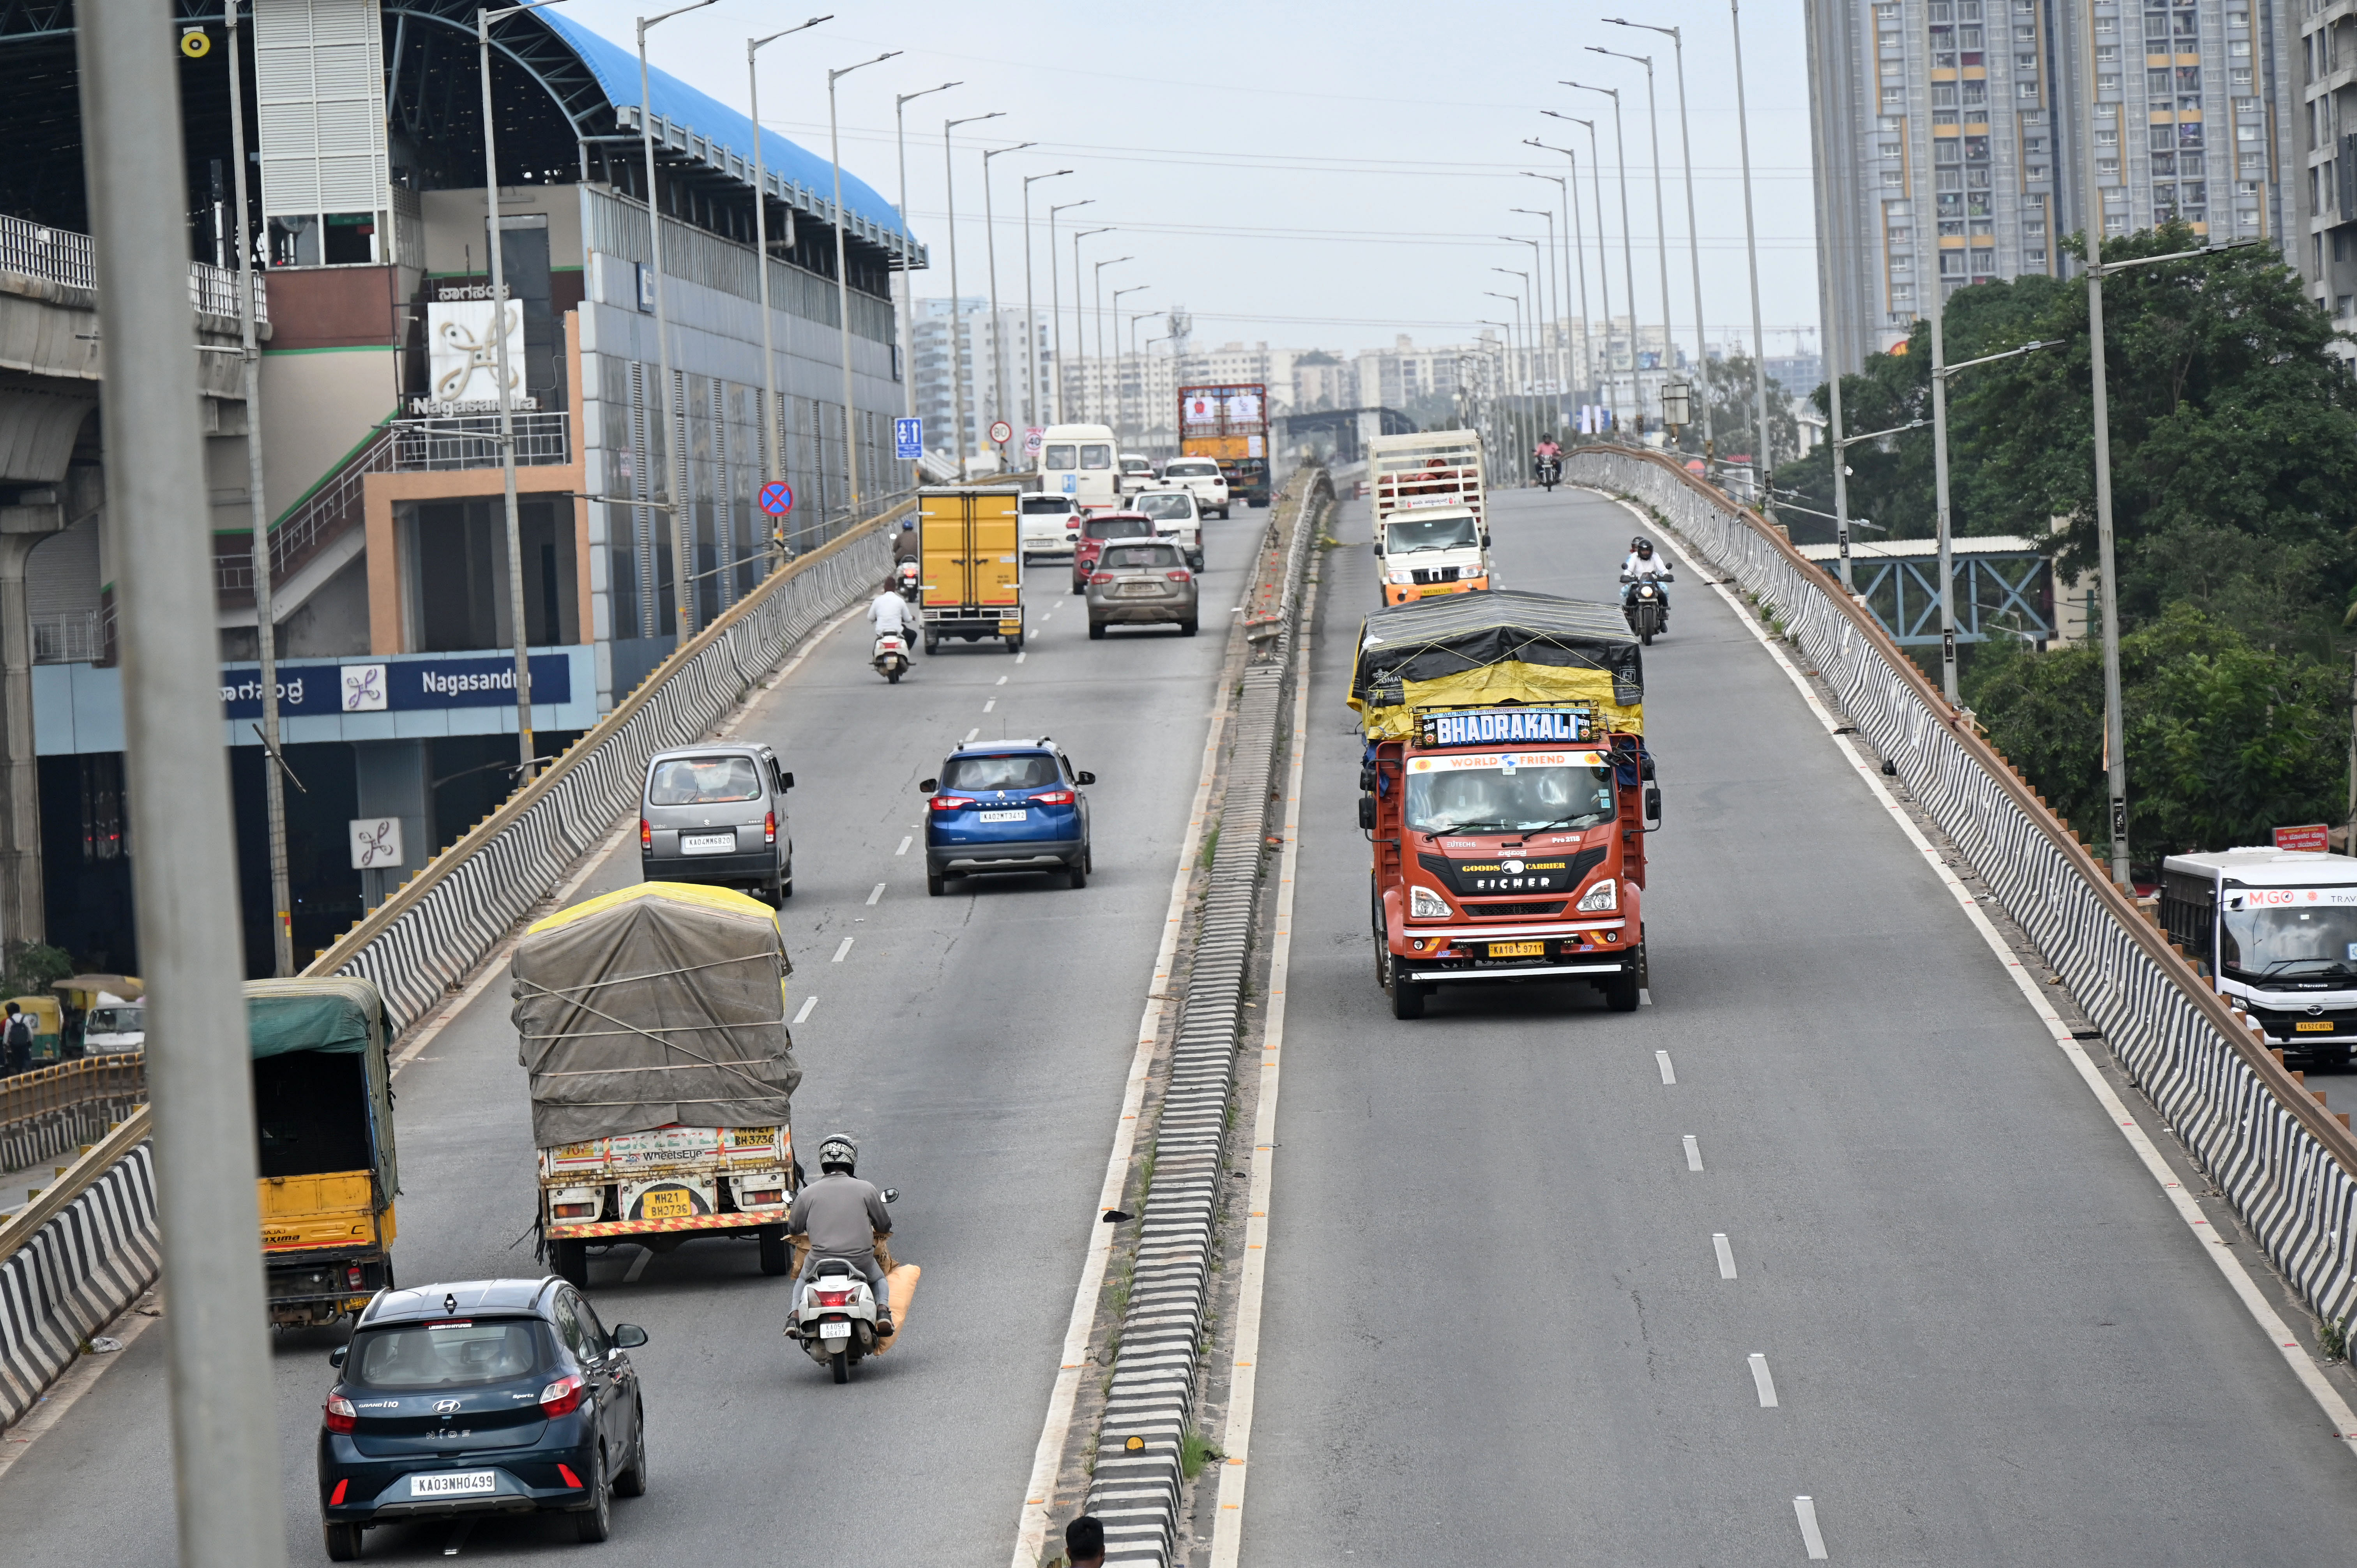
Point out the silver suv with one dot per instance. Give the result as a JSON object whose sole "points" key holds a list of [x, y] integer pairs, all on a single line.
{"points": [[717, 813]]}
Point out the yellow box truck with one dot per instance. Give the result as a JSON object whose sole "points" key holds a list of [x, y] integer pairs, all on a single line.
{"points": [[971, 554]]}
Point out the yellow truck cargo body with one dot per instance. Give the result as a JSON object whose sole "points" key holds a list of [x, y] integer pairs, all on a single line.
{"points": [[970, 552]]}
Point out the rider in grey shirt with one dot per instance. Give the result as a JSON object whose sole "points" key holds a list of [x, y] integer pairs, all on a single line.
{"points": [[842, 1215]]}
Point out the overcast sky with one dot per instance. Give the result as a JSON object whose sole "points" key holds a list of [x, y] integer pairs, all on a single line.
{"points": [[1311, 175]]}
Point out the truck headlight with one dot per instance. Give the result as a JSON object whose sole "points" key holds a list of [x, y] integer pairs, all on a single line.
{"points": [[1402, 576], [1423, 904], [1604, 897]]}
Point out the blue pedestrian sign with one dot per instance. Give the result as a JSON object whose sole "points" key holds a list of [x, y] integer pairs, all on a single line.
{"points": [[777, 497], [908, 439]]}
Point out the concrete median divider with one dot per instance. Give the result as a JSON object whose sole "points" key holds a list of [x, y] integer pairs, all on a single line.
{"points": [[76, 1255], [2286, 1164]]}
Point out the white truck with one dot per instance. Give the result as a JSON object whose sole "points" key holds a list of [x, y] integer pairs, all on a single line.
{"points": [[2276, 931], [652, 1024], [1432, 526]]}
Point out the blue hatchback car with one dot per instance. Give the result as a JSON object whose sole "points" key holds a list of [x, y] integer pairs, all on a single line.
{"points": [[1007, 805]]}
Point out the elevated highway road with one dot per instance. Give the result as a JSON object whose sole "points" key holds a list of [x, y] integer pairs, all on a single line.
{"points": [[1500, 1325], [976, 1042]]}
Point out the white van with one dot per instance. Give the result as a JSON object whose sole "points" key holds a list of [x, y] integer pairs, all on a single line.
{"points": [[1077, 460]]}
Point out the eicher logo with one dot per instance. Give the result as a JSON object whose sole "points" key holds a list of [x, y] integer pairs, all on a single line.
{"points": [[1505, 725]]}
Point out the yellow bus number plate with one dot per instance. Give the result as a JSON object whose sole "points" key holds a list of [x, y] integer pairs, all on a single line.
{"points": [[1517, 950], [672, 1205], [2322, 1028]]}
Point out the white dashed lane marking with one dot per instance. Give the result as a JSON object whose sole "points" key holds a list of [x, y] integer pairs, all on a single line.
{"points": [[805, 1012], [1693, 1151], [1806, 1511], [1669, 1073], [1762, 1381], [840, 951], [878, 894], [1726, 1255]]}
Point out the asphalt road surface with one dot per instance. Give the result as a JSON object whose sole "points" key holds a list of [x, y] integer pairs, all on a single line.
{"points": [[1496, 1327], [977, 1044]]}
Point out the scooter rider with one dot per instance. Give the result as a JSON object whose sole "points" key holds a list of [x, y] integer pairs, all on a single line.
{"points": [[888, 612], [1643, 564], [842, 1215]]}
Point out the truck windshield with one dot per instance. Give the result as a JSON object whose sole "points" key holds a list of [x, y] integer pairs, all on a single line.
{"points": [[442, 1355], [2314, 941], [1170, 504], [116, 1021], [703, 781], [1494, 794], [1409, 534]]}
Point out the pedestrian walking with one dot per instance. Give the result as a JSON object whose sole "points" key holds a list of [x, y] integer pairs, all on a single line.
{"points": [[16, 1042]]}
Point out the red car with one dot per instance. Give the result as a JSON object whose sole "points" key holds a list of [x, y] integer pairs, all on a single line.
{"points": [[1101, 527]]}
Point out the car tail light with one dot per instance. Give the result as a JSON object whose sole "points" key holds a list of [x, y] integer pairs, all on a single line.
{"points": [[1053, 798], [1180, 576], [833, 1298], [1101, 577], [563, 1397], [770, 828], [571, 1479], [951, 802], [335, 1498], [646, 834], [341, 1416]]}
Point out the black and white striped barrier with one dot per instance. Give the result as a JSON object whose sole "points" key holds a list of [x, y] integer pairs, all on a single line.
{"points": [[2283, 1163], [1139, 1477], [72, 1274]]}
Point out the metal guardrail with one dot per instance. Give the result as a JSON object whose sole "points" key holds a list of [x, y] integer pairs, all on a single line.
{"points": [[28, 1094], [75, 636], [335, 505], [472, 441], [62, 257], [2286, 1164]]}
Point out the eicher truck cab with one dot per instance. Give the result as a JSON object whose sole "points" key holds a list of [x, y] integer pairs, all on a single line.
{"points": [[2275, 930], [1507, 792]]}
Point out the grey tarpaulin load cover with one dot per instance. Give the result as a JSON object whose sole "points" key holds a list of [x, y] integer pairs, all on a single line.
{"points": [[656, 1005]]}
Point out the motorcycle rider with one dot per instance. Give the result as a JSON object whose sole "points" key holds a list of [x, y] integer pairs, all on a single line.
{"points": [[1546, 451], [1644, 564], [888, 612], [842, 1215]]}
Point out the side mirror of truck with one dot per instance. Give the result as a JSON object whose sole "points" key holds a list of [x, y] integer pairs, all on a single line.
{"points": [[335, 1356], [927, 786], [1084, 778], [1367, 812], [1485, 539], [629, 1337], [1652, 807], [1379, 544]]}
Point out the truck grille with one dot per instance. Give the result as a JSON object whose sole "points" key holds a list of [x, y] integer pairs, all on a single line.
{"points": [[1553, 909], [1425, 575]]}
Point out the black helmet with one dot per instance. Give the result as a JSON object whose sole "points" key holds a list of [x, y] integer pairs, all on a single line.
{"points": [[1645, 547], [840, 1152]]}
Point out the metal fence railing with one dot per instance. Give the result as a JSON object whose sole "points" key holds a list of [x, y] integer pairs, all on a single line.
{"points": [[338, 503], [71, 636], [2286, 1164], [50, 1110], [62, 257], [472, 441]]}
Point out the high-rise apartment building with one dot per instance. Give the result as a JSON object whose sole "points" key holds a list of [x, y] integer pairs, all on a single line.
{"points": [[1950, 151]]}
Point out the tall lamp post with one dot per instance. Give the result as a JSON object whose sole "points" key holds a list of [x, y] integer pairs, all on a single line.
{"points": [[1121, 376], [265, 624], [1661, 222], [842, 288], [1056, 304], [1030, 317], [1627, 250], [1694, 258], [1760, 463], [1575, 245], [1097, 295], [773, 469], [1514, 421], [681, 517], [990, 249], [1494, 424], [1603, 259], [1137, 362], [1550, 275], [1941, 372], [1540, 313], [900, 103], [957, 318]]}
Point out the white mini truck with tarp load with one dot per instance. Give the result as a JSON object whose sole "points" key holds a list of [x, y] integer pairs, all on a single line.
{"points": [[651, 1022]]}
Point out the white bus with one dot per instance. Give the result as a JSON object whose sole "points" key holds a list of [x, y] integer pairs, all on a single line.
{"points": [[1078, 460], [2276, 931]]}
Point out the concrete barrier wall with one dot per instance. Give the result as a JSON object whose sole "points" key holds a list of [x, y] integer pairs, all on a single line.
{"points": [[72, 1276]]}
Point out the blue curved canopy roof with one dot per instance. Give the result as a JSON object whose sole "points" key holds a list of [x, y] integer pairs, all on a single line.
{"points": [[726, 134]]}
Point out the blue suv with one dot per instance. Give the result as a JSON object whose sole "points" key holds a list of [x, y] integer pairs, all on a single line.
{"points": [[1007, 805]]}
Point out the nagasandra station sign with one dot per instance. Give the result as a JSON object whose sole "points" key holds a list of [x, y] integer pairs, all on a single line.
{"points": [[318, 690]]}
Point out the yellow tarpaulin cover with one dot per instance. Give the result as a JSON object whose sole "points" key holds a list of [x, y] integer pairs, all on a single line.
{"points": [[1532, 685]]}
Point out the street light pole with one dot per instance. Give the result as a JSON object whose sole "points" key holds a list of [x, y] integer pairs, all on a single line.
{"points": [[1079, 316], [1056, 304], [1542, 269], [266, 620], [1661, 222], [675, 466], [957, 306], [1575, 247], [900, 103], [1137, 363], [1693, 260], [1097, 293], [1627, 249], [1513, 434], [773, 469], [1940, 484], [1760, 465], [1121, 376], [1603, 265], [1557, 351], [843, 292], [1030, 320], [990, 249]]}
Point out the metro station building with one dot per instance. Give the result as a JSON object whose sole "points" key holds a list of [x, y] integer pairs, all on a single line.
{"points": [[380, 465]]}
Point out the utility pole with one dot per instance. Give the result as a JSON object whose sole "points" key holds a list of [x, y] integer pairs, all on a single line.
{"points": [[842, 303], [900, 102], [265, 620], [990, 248], [1056, 304], [1940, 482], [773, 467], [957, 306], [682, 517], [1759, 462], [1030, 316], [224, 1417], [2116, 748]]}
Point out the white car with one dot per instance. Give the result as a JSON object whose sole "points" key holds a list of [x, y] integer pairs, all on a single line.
{"points": [[1136, 474], [114, 1025], [1051, 525], [1177, 517], [1202, 475]]}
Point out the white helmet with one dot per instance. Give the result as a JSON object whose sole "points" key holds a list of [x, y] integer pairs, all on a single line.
{"points": [[839, 1150]]}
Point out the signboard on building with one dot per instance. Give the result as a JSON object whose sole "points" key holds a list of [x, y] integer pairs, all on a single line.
{"points": [[376, 843], [2315, 838], [908, 439], [462, 354], [311, 691]]}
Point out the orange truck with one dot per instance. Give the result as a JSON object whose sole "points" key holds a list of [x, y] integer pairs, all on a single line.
{"points": [[323, 1115], [970, 551], [1229, 424], [1506, 795]]}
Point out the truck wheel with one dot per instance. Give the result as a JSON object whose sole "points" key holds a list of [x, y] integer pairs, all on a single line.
{"points": [[776, 1254], [1407, 997], [343, 1542], [1620, 991], [1014, 645], [570, 1259]]}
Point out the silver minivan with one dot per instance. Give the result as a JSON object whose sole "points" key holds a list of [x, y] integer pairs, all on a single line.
{"points": [[717, 813]]}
